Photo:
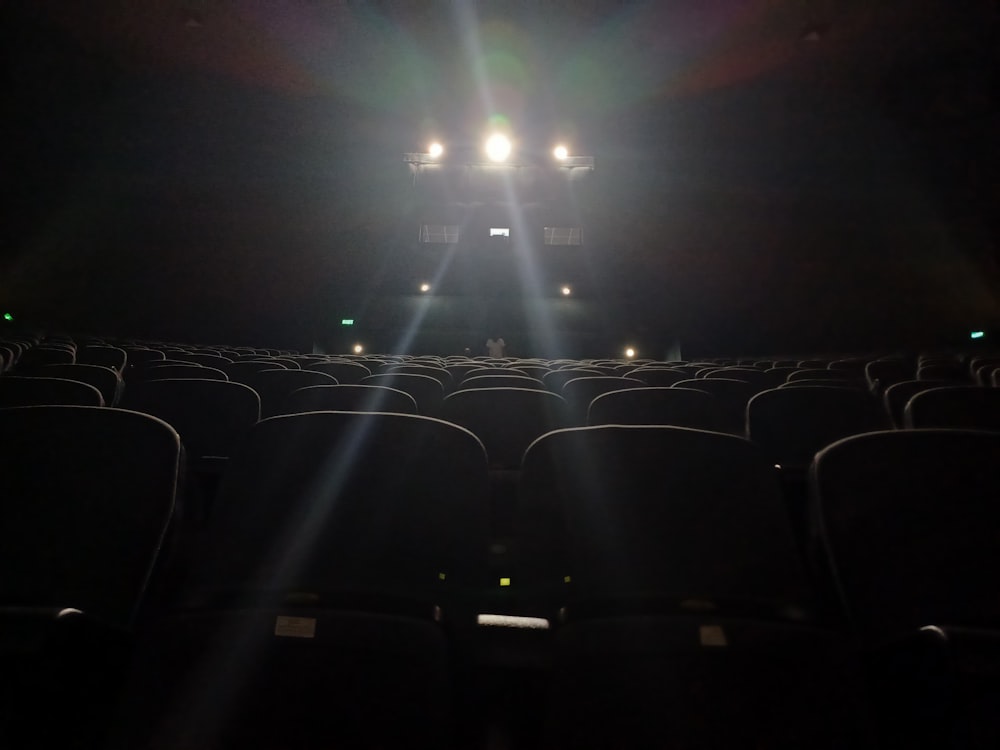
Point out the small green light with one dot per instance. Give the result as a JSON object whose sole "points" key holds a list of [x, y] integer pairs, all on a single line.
{"points": [[567, 579], [504, 582], [8, 317], [441, 576], [977, 334], [347, 321]]}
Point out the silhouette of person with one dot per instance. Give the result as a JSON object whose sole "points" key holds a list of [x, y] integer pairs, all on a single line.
{"points": [[495, 347]]}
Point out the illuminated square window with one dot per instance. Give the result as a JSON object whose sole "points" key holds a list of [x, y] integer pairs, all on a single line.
{"points": [[563, 236], [439, 234]]}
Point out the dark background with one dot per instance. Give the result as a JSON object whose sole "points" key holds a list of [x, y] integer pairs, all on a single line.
{"points": [[772, 175]]}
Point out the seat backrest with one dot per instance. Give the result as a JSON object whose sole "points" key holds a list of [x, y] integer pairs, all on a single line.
{"points": [[906, 520], [534, 371], [970, 407], [792, 424], [579, 392], [346, 373], [677, 407], [438, 373], [103, 356], [658, 376], [731, 395], [663, 512], [954, 371], [173, 372], [897, 395], [326, 502], [211, 416], [821, 374], [16, 390], [502, 381], [46, 355], [352, 397], [240, 371], [489, 372], [88, 494], [507, 420], [105, 379], [882, 373], [206, 360], [556, 379], [426, 391], [275, 386]]}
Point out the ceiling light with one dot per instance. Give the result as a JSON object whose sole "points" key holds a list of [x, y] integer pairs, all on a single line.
{"points": [[498, 147]]}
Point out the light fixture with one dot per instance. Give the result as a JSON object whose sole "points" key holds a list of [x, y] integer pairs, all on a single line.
{"points": [[425, 287], [629, 353], [435, 150], [566, 291], [358, 349], [498, 147], [560, 152]]}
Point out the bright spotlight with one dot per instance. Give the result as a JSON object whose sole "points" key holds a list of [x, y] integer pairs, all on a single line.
{"points": [[425, 287], [630, 353], [358, 348], [566, 291], [498, 147], [560, 152], [435, 150]]}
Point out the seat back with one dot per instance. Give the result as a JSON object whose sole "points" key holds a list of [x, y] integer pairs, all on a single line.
{"points": [[579, 392], [16, 390], [334, 502], [906, 521], [668, 513], [105, 379], [507, 420], [88, 496], [792, 424], [157, 371], [103, 356], [275, 386], [677, 407], [211, 416], [970, 407], [897, 395], [349, 398], [426, 391], [346, 373]]}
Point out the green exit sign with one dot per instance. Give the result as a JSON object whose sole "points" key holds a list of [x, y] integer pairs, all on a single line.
{"points": [[347, 321]]}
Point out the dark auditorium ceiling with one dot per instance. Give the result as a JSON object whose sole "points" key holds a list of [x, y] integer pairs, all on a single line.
{"points": [[192, 116]]}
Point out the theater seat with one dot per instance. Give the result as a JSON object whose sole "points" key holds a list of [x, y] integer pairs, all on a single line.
{"points": [[681, 606], [970, 407], [905, 522], [341, 543], [349, 398], [38, 391], [88, 498], [507, 420]]}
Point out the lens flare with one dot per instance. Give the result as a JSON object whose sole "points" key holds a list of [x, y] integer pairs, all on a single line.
{"points": [[498, 147]]}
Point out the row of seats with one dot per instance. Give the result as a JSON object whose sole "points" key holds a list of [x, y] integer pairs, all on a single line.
{"points": [[791, 422], [339, 538], [346, 557]]}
